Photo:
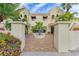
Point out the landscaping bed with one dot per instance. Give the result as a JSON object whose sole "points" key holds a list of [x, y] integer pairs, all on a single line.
{"points": [[9, 46]]}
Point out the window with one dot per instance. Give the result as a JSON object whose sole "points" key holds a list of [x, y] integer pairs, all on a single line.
{"points": [[33, 17], [52, 16], [45, 17], [25, 16]]}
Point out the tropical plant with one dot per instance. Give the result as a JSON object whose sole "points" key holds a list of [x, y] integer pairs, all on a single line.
{"points": [[8, 25], [39, 27], [66, 16], [67, 6], [7, 10]]}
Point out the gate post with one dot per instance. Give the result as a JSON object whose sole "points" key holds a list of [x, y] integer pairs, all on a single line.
{"points": [[61, 36], [18, 31]]}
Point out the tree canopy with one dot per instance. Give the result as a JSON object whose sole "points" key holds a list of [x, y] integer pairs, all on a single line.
{"points": [[67, 16], [7, 10]]}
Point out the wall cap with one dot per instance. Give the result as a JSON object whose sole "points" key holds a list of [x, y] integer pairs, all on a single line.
{"points": [[62, 22], [18, 22]]}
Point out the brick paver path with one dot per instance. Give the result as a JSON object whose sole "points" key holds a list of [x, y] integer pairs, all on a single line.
{"points": [[34, 44]]}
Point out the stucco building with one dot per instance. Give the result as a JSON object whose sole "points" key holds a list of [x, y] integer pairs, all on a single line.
{"points": [[48, 19]]}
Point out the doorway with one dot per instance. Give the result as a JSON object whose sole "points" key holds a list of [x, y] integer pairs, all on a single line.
{"points": [[52, 29]]}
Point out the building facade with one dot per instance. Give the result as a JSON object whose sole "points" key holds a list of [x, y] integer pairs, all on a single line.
{"points": [[47, 19]]}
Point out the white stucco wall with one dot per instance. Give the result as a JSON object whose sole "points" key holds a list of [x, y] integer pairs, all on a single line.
{"points": [[64, 38], [24, 12], [74, 39], [61, 38], [39, 18], [74, 36], [18, 31], [55, 11], [56, 37]]}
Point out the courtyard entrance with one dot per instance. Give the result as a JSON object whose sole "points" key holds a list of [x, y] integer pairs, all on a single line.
{"points": [[45, 44]]}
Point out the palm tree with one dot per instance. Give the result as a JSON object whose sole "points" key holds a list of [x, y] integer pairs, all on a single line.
{"points": [[7, 10], [67, 6], [67, 16]]}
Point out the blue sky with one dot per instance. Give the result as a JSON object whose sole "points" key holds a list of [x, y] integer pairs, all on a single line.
{"points": [[40, 7], [45, 7]]}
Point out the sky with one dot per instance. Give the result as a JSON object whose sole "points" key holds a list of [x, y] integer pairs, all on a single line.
{"points": [[46, 7], [39, 7]]}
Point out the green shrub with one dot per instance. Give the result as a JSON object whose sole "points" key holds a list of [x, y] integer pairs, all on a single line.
{"points": [[39, 27], [66, 16], [9, 46], [8, 25]]}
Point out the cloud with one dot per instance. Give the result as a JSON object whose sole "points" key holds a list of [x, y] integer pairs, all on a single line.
{"points": [[75, 8], [58, 4], [37, 7], [43, 10], [46, 8]]}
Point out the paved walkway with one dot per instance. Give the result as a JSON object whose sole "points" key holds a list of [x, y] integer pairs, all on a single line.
{"points": [[34, 44], [44, 47], [70, 53]]}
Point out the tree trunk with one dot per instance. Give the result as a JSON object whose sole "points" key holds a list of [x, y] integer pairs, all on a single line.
{"points": [[67, 9]]}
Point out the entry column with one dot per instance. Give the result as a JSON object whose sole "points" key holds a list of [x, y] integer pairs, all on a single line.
{"points": [[18, 31], [61, 36]]}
